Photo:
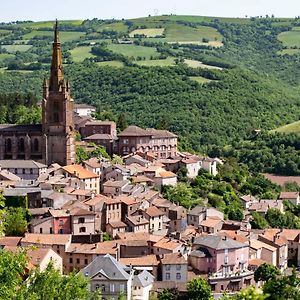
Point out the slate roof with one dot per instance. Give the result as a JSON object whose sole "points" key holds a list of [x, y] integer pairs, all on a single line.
{"points": [[218, 242], [21, 128], [143, 279], [108, 266], [100, 136], [21, 163], [133, 130]]}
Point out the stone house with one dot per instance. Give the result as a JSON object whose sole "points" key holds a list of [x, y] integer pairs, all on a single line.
{"points": [[293, 197], [174, 267]]}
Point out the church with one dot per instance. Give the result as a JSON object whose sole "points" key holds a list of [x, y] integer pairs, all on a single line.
{"points": [[53, 141]]}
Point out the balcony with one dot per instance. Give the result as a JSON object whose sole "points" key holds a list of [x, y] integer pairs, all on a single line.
{"points": [[232, 276]]}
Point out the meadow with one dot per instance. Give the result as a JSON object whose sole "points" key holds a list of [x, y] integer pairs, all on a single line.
{"points": [[134, 51], [289, 128], [79, 54]]}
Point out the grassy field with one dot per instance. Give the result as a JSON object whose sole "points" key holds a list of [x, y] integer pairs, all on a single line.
{"points": [[289, 51], [112, 63], [65, 36], [79, 54], [148, 32], [191, 19], [5, 56], [290, 38], [289, 128], [157, 62], [48, 24], [198, 64], [181, 33], [134, 50], [200, 79], [14, 48], [117, 26]]}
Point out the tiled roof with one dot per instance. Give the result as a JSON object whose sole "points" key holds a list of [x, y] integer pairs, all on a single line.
{"points": [[93, 162], [100, 136], [167, 244], [288, 195], [137, 220], [134, 131], [81, 212], [116, 183], [21, 163], [10, 240], [218, 242], [37, 255], [46, 239], [156, 133], [173, 259], [146, 260], [97, 248], [256, 244], [167, 174], [117, 224], [211, 222], [79, 171], [96, 200], [153, 211], [248, 198], [256, 262]]}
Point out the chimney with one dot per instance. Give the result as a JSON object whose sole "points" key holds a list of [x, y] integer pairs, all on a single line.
{"points": [[101, 236], [91, 239]]}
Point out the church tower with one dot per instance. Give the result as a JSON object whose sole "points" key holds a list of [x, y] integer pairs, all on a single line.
{"points": [[57, 112]]}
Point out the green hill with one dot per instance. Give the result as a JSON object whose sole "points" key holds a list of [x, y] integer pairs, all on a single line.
{"points": [[211, 80], [289, 128]]}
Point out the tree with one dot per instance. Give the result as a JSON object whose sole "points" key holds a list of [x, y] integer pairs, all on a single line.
{"points": [[122, 123], [283, 288], [250, 293], [266, 272], [2, 215], [168, 294], [182, 174], [16, 221], [199, 289], [258, 222]]}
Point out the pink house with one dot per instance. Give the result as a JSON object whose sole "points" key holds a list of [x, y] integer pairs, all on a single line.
{"points": [[224, 259], [61, 221]]}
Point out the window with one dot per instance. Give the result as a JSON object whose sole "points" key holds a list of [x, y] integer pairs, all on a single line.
{"points": [[51, 230], [103, 287], [81, 220], [122, 287], [36, 145], [61, 231], [168, 267], [31, 171], [41, 230], [112, 287], [82, 229], [85, 261], [178, 267], [77, 260], [167, 276], [21, 145], [8, 145], [71, 260], [23, 171], [126, 141], [61, 222], [178, 276]]}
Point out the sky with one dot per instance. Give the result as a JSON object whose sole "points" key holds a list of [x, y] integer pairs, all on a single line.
{"points": [[37, 10]]}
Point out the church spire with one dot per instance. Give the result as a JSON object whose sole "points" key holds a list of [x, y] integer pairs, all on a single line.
{"points": [[57, 74]]}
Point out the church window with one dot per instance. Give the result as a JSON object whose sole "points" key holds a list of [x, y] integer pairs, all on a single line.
{"points": [[55, 117], [8, 145], [36, 145], [21, 145]]}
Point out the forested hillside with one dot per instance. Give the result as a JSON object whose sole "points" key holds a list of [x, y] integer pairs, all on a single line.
{"points": [[213, 81]]}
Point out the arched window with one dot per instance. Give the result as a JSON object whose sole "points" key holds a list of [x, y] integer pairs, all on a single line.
{"points": [[21, 145], [8, 145], [36, 145]]}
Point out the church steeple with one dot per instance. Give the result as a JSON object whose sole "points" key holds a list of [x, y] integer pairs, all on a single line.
{"points": [[57, 74]]}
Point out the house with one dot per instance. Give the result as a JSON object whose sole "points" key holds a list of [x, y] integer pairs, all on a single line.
{"points": [[137, 223], [82, 221], [211, 225], [247, 200], [25, 169], [293, 197], [87, 180], [192, 165], [162, 143], [167, 245], [155, 218], [201, 213], [115, 188], [280, 243], [113, 228], [109, 275], [41, 257], [174, 267], [57, 242], [263, 251], [165, 178], [94, 165], [142, 285], [262, 206], [83, 109], [92, 127], [137, 159], [225, 259], [102, 139], [146, 262]]}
